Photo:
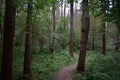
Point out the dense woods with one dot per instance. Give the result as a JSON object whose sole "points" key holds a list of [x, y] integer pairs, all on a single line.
{"points": [[39, 37]]}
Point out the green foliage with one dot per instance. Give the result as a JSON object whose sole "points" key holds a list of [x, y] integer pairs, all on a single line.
{"points": [[60, 38], [18, 58], [44, 65], [101, 67]]}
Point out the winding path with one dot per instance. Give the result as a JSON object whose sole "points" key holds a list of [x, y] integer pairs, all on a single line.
{"points": [[65, 73]]}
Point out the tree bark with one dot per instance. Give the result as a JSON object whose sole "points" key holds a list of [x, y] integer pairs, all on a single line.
{"points": [[117, 43], [41, 43], [0, 15], [53, 27], [93, 40], [0, 27], [104, 8], [8, 39], [104, 39], [93, 34], [117, 40], [61, 8], [71, 28], [84, 37], [64, 15], [75, 16], [27, 55]]}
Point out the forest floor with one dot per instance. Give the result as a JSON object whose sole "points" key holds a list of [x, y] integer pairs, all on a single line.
{"points": [[65, 73]]}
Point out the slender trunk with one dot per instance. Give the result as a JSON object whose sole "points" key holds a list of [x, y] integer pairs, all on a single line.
{"points": [[84, 37], [53, 26], [93, 35], [50, 38], [104, 9], [41, 43], [75, 16], [27, 55], [33, 32], [117, 43], [93, 41], [61, 9], [8, 40], [71, 28], [104, 39], [117, 40], [61, 17], [0, 15], [64, 14], [0, 27]]}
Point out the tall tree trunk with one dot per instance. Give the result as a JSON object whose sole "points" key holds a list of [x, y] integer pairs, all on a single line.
{"points": [[8, 39], [64, 14], [71, 28], [27, 55], [0, 13], [33, 31], [93, 34], [117, 40], [50, 38], [117, 43], [104, 9], [53, 27], [75, 15], [93, 40], [41, 43], [84, 37], [104, 39], [61, 8], [0, 27]]}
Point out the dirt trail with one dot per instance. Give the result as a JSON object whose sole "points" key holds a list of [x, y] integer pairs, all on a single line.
{"points": [[65, 73]]}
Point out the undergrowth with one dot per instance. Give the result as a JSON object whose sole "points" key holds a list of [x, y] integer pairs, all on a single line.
{"points": [[44, 65], [101, 67]]}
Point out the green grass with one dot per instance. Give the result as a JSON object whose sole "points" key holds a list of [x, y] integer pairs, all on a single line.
{"points": [[101, 67], [44, 65]]}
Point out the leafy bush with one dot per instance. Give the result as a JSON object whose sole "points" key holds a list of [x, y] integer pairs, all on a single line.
{"points": [[101, 67]]}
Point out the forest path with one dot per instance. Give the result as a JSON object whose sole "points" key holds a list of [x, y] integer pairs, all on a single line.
{"points": [[65, 73]]}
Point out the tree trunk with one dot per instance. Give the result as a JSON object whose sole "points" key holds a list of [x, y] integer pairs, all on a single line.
{"points": [[53, 26], [64, 15], [84, 37], [41, 43], [75, 16], [61, 9], [93, 34], [0, 27], [33, 31], [71, 28], [27, 55], [0, 17], [93, 40], [8, 39], [117, 43], [117, 40], [50, 38], [104, 39]]}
